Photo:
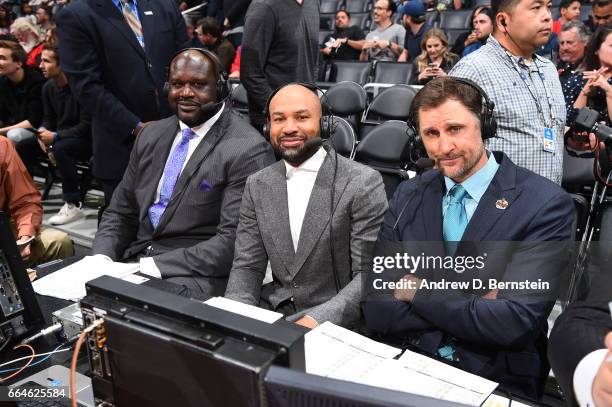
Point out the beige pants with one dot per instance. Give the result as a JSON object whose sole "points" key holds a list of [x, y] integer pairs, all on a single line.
{"points": [[50, 244]]}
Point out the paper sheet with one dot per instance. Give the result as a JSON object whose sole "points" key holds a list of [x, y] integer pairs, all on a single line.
{"points": [[335, 352], [69, 283], [244, 309]]}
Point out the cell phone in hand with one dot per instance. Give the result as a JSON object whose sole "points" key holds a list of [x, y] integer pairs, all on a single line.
{"points": [[432, 66]]}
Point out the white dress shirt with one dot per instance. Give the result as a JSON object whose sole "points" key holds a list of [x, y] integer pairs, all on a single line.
{"points": [[300, 181], [147, 264], [584, 376]]}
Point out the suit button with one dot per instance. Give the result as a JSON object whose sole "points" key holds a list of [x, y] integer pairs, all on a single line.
{"points": [[150, 66], [295, 285]]}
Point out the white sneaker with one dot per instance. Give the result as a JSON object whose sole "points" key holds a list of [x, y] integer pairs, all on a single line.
{"points": [[68, 213]]}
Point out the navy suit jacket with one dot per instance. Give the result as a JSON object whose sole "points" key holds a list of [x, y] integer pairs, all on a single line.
{"points": [[503, 339], [114, 79]]}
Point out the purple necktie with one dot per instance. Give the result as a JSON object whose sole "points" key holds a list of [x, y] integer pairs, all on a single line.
{"points": [[170, 176]]}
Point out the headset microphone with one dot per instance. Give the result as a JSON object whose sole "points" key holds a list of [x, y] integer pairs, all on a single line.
{"points": [[425, 163]]}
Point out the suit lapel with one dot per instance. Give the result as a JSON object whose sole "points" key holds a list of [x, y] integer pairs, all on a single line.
{"points": [[276, 212], [111, 13], [432, 210], [502, 188], [317, 214], [195, 161], [162, 149]]}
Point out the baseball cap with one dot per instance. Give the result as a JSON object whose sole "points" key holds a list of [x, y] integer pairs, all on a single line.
{"points": [[413, 8]]}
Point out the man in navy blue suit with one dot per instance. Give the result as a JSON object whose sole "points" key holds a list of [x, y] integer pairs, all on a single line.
{"points": [[474, 197], [115, 54]]}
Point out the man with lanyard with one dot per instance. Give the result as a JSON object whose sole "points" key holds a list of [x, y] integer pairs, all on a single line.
{"points": [[529, 102]]}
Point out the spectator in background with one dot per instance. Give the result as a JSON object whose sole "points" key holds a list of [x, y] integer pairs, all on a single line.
{"points": [[115, 56], [346, 41], [443, 5], [601, 14], [20, 93], [524, 87], [30, 39], [235, 12], [194, 40], [435, 59], [6, 19], [385, 41], [26, 11], [483, 27], [462, 39], [573, 40], [593, 87], [569, 10], [65, 134], [280, 45], [413, 18], [44, 18], [209, 33]]}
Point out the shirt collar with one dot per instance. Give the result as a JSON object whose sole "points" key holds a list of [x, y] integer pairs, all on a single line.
{"points": [[202, 129], [477, 184], [313, 164], [519, 60]]}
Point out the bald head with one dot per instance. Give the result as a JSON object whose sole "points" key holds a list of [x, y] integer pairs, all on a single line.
{"points": [[295, 116], [295, 98], [192, 59]]}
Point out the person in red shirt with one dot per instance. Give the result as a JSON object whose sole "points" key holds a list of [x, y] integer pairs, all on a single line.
{"points": [[29, 38], [570, 10], [20, 200]]}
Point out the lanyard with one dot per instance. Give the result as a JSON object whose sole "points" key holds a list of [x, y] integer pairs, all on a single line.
{"points": [[532, 91]]}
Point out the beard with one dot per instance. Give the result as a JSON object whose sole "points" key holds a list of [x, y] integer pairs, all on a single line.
{"points": [[465, 169], [296, 156]]}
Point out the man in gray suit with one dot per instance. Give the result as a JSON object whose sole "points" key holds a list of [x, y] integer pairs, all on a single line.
{"points": [[177, 207], [285, 218]]}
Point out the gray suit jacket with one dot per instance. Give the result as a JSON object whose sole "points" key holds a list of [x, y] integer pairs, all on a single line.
{"points": [[307, 275], [193, 244]]}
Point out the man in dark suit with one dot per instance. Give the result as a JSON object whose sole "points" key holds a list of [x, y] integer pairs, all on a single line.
{"points": [[177, 207], [285, 218], [474, 196], [578, 343], [115, 54]]}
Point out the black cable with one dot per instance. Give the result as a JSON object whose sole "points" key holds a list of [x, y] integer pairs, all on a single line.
{"points": [[8, 340]]}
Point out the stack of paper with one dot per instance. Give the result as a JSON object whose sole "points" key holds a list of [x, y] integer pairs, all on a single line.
{"points": [[335, 352], [69, 283]]}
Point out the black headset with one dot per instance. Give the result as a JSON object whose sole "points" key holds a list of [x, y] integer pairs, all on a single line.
{"points": [[488, 124], [327, 125], [222, 87]]}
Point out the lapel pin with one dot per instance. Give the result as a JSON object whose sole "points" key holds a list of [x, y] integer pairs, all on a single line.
{"points": [[148, 13], [501, 204]]}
